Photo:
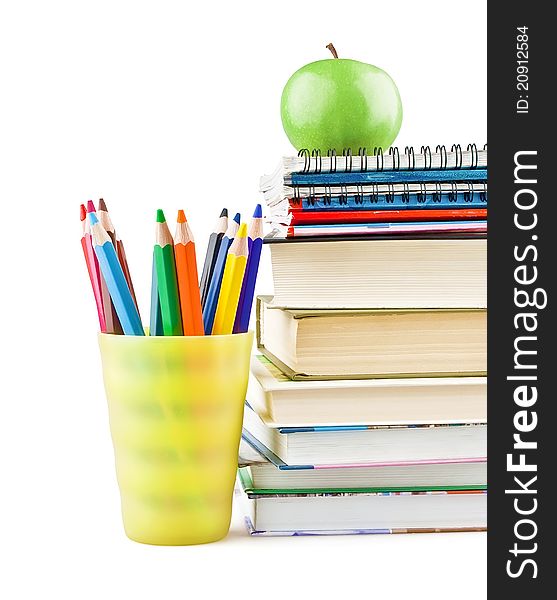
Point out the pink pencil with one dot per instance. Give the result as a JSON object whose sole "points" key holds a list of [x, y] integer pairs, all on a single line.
{"points": [[92, 266]]}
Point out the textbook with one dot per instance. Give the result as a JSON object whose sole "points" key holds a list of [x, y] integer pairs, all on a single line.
{"points": [[318, 447], [282, 402], [265, 477], [372, 343], [330, 513], [434, 272]]}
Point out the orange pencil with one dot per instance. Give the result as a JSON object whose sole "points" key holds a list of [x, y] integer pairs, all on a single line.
{"points": [[186, 272]]}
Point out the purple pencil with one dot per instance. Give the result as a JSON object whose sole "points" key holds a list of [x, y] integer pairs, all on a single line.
{"points": [[255, 242]]}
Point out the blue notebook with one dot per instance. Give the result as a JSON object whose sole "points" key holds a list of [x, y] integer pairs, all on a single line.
{"points": [[409, 176], [475, 198]]}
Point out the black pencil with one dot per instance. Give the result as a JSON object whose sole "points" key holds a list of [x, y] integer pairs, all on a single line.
{"points": [[211, 255]]}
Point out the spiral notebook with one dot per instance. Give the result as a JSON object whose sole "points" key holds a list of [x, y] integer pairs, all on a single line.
{"points": [[441, 186], [313, 163]]}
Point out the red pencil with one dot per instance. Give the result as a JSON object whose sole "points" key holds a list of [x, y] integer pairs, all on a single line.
{"points": [[92, 266], [110, 316]]}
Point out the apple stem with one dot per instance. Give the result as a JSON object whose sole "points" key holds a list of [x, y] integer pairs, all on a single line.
{"points": [[332, 49]]}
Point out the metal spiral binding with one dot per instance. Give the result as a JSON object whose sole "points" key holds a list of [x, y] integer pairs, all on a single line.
{"points": [[318, 162], [458, 151], [442, 151], [438, 193], [393, 151], [409, 152], [483, 193], [307, 162], [473, 149], [347, 153], [332, 154], [359, 198], [313, 160], [426, 151], [405, 193], [363, 159], [378, 153]]}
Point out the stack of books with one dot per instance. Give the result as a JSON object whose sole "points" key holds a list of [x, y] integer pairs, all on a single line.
{"points": [[366, 409]]}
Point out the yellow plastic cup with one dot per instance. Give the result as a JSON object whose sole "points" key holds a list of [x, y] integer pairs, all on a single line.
{"points": [[176, 406]]}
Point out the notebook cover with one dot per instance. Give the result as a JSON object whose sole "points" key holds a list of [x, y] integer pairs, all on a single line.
{"points": [[316, 230], [301, 216], [389, 176]]}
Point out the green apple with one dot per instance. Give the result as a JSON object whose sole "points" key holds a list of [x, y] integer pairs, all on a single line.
{"points": [[340, 103]]}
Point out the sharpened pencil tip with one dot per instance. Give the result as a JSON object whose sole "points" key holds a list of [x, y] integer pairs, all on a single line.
{"points": [[181, 216], [93, 218], [160, 216], [102, 205], [91, 207], [82, 212], [237, 218], [258, 212], [224, 212], [243, 231]]}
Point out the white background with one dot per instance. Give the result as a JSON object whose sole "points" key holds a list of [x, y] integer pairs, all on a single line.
{"points": [[176, 104]]}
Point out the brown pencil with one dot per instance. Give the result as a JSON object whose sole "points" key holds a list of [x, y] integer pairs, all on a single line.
{"points": [[110, 316]]}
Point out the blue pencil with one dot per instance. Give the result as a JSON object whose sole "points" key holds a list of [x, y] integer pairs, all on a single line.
{"points": [[255, 243], [115, 279], [210, 306], [155, 322]]}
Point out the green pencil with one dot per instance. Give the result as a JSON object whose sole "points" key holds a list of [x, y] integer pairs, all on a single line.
{"points": [[166, 278]]}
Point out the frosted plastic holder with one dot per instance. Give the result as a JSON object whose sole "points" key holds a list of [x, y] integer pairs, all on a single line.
{"points": [[176, 407]]}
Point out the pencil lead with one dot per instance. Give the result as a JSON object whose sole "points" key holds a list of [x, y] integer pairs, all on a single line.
{"points": [[82, 212], [243, 231], [91, 207], [93, 218], [181, 217], [102, 205], [160, 216], [258, 212], [237, 218], [224, 212]]}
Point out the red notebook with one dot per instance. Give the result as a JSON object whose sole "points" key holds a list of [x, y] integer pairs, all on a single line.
{"points": [[299, 216]]}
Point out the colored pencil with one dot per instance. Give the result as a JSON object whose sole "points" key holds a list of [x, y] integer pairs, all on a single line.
{"points": [[231, 286], [212, 299], [155, 320], [166, 277], [255, 243], [113, 275], [105, 220], [112, 322], [211, 255], [186, 274], [92, 266]]}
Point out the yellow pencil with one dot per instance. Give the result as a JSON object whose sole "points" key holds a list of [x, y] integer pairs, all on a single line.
{"points": [[231, 286]]}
